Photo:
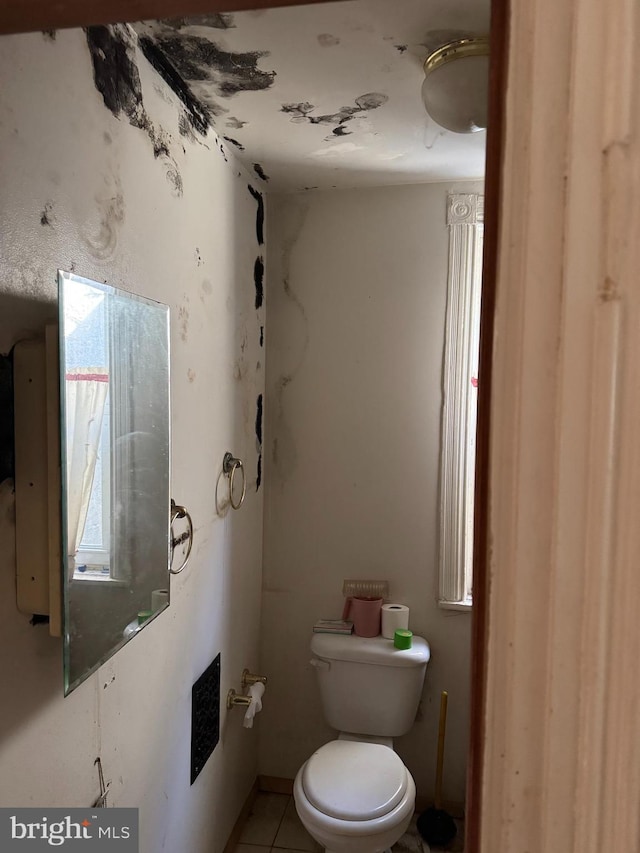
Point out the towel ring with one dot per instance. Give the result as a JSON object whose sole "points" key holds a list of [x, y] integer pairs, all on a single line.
{"points": [[230, 465], [187, 536]]}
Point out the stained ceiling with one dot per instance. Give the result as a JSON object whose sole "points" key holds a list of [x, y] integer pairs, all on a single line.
{"points": [[326, 95]]}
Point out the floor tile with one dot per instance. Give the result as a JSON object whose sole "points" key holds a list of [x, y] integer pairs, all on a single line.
{"points": [[264, 819], [292, 835]]}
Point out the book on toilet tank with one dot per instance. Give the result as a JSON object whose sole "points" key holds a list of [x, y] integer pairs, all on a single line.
{"points": [[333, 626]]}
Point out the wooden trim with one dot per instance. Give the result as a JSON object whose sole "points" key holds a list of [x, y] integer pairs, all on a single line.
{"points": [[236, 832], [479, 627], [276, 785], [18, 16]]}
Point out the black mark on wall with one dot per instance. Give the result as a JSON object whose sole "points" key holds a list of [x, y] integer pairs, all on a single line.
{"points": [[257, 168], [6, 418], [116, 77], [302, 112], [115, 72], [259, 439], [198, 115], [235, 142], [401, 48], [196, 58], [259, 215], [258, 277], [261, 336], [50, 35], [327, 40], [47, 217]]}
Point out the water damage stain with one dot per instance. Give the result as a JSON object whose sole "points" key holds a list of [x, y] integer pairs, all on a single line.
{"points": [[7, 466], [47, 216], [198, 115], [235, 123], [257, 168], [259, 415], [302, 112], [258, 277], [198, 59], [259, 214], [235, 142], [117, 79], [327, 40], [101, 236]]}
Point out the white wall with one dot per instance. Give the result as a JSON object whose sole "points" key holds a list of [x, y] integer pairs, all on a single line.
{"points": [[356, 294], [115, 214]]}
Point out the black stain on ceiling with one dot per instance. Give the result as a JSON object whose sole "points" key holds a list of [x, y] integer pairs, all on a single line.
{"points": [[401, 48], [235, 142], [7, 443], [259, 415], [47, 217], [258, 277], [261, 336], [259, 215], [257, 168], [198, 59], [116, 77], [327, 40], [221, 149], [222, 21], [302, 112], [198, 115], [235, 123]]}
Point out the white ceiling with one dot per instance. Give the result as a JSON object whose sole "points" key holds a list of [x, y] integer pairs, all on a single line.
{"points": [[327, 95]]}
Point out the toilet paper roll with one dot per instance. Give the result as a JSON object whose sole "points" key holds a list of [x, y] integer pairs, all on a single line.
{"points": [[159, 598], [394, 617], [256, 691]]}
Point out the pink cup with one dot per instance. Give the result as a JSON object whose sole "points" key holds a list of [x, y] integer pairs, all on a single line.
{"points": [[365, 615]]}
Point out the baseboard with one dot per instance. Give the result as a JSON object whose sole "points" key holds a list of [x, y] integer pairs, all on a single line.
{"points": [[275, 785], [236, 832]]}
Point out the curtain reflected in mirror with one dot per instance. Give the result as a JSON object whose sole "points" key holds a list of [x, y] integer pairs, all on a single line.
{"points": [[114, 354]]}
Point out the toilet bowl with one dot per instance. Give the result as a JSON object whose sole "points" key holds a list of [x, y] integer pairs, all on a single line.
{"points": [[354, 796]]}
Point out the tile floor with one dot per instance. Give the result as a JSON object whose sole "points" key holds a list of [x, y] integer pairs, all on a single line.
{"points": [[273, 826]]}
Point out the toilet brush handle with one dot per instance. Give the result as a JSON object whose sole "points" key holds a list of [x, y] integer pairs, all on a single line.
{"points": [[442, 729]]}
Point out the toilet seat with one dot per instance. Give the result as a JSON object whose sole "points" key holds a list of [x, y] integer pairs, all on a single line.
{"points": [[354, 780]]}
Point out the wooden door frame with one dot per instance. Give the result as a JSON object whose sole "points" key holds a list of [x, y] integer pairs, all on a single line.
{"points": [[32, 15]]}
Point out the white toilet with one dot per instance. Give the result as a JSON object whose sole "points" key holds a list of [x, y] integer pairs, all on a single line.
{"points": [[354, 794]]}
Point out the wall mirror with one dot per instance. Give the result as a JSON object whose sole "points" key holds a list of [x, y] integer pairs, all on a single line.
{"points": [[115, 457]]}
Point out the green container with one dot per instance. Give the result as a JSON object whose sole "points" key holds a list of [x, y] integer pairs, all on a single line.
{"points": [[402, 638]]}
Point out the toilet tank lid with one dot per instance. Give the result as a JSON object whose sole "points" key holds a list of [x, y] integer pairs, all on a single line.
{"points": [[373, 650]]}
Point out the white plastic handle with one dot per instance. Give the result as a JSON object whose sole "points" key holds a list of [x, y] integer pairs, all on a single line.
{"points": [[320, 664]]}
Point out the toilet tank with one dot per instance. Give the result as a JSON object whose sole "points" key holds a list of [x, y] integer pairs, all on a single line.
{"points": [[367, 686]]}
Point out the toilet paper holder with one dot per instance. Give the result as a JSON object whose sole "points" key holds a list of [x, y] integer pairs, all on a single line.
{"points": [[248, 678]]}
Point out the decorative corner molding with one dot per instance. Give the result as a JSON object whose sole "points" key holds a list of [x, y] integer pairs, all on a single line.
{"points": [[465, 209]]}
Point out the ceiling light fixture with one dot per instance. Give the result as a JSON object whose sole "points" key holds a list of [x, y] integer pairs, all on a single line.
{"points": [[455, 89]]}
